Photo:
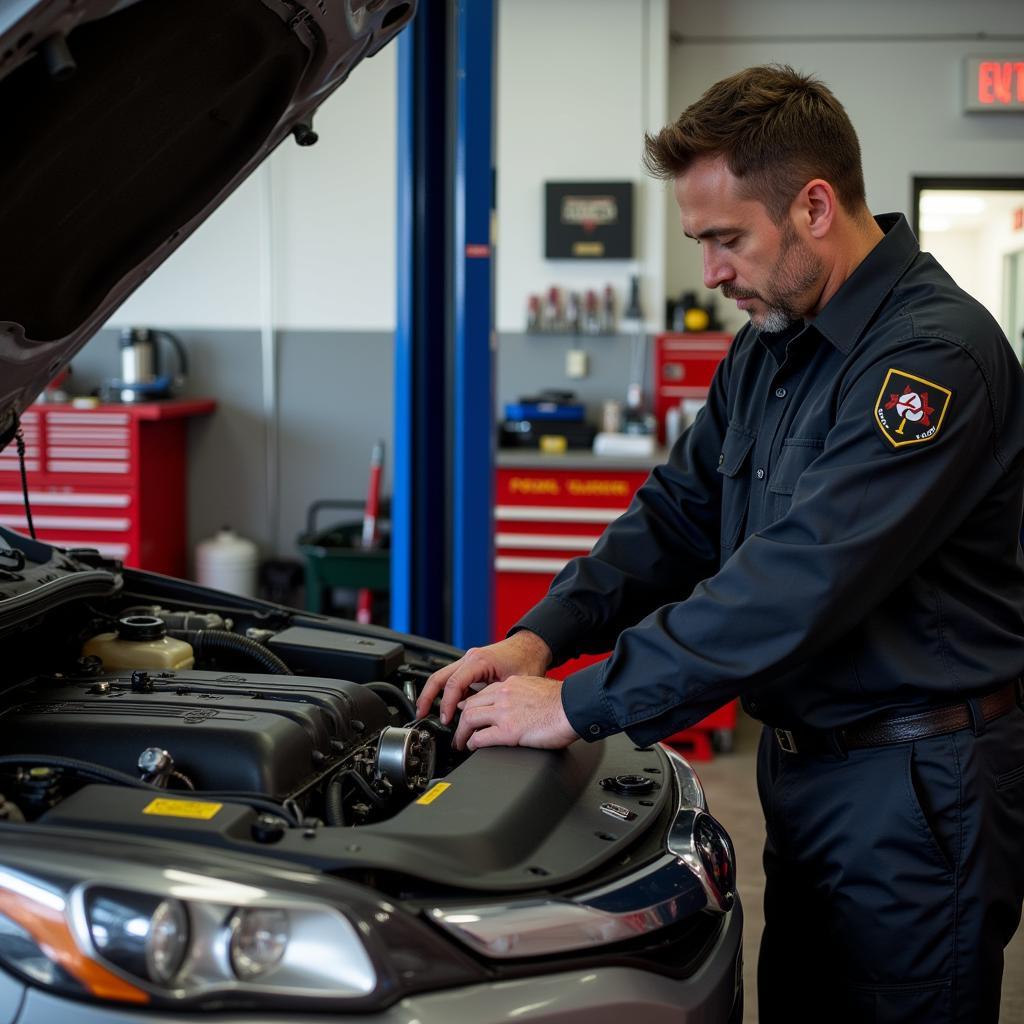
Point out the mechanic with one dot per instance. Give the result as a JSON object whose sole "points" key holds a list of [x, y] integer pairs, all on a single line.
{"points": [[836, 541]]}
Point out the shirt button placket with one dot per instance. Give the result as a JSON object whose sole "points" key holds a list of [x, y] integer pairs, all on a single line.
{"points": [[780, 392]]}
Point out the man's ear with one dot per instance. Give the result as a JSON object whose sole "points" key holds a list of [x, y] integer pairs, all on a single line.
{"points": [[815, 207]]}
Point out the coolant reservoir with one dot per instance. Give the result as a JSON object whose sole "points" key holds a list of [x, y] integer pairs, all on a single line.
{"points": [[141, 641]]}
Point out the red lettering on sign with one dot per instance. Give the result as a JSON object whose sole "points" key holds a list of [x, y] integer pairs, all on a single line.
{"points": [[996, 81], [986, 74], [1005, 81]]}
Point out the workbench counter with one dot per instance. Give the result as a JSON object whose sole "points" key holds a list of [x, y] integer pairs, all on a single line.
{"points": [[528, 458]]}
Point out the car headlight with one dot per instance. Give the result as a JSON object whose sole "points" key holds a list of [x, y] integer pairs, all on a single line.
{"points": [[259, 939], [144, 935], [205, 933]]}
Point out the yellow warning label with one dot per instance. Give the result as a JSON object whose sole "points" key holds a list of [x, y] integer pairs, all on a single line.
{"points": [[182, 808], [432, 794]]}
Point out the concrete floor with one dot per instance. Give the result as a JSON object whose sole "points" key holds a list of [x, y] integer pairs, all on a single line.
{"points": [[732, 796]]}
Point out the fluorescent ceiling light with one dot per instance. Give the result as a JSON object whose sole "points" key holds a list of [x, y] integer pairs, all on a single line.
{"points": [[931, 222], [951, 203]]}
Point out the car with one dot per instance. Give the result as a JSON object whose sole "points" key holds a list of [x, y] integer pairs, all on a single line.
{"points": [[214, 807]]}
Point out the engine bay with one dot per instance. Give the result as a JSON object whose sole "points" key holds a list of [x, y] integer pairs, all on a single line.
{"points": [[339, 749], [145, 705]]}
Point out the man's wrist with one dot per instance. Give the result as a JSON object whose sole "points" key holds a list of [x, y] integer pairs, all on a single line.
{"points": [[536, 650]]}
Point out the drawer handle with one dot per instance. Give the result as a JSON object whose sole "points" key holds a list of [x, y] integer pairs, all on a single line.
{"points": [[559, 514], [68, 466], [514, 563], [69, 499], [559, 542], [94, 523]]}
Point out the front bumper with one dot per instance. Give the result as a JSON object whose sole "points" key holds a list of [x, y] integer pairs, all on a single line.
{"points": [[599, 995]]}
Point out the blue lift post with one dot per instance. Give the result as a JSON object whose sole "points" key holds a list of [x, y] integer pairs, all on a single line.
{"points": [[442, 531], [473, 405]]}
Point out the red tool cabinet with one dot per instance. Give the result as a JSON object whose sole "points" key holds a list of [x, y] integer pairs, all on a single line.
{"points": [[683, 367], [546, 516], [112, 478]]}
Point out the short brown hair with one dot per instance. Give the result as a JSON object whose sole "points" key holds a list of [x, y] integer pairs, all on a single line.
{"points": [[777, 130]]}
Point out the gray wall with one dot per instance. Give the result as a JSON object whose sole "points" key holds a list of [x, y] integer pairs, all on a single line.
{"points": [[334, 401]]}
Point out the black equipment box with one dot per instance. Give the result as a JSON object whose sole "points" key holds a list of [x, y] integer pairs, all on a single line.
{"points": [[321, 652]]}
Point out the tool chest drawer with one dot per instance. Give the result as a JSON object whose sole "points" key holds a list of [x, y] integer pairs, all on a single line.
{"points": [[542, 519], [111, 478]]}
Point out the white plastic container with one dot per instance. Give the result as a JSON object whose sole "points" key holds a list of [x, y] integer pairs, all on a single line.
{"points": [[228, 562]]}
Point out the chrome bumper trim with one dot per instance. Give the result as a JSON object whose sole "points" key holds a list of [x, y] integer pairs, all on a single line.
{"points": [[665, 891]]}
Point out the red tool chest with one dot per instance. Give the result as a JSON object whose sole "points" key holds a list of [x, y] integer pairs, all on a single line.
{"points": [[543, 518], [683, 367], [112, 478]]}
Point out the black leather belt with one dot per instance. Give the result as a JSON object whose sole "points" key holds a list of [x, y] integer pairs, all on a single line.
{"points": [[917, 725]]}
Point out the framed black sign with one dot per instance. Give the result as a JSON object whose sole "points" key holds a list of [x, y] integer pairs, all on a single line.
{"points": [[589, 220]]}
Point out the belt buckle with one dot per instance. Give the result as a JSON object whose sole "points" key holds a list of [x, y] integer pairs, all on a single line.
{"points": [[786, 740]]}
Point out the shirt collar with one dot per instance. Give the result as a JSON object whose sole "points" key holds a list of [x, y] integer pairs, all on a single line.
{"points": [[847, 313]]}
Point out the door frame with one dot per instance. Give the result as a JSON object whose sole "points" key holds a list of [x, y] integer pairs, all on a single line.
{"points": [[994, 183]]}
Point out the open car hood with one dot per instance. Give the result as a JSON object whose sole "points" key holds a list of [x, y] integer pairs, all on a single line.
{"points": [[126, 123]]}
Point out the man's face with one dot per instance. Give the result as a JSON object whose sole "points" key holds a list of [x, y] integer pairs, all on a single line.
{"points": [[771, 272]]}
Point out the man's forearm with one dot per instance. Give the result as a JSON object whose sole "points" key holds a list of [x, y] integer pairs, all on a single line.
{"points": [[536, 653]]}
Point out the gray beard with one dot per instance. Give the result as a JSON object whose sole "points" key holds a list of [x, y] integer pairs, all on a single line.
{"points": [[798, 271], [773, 319]]}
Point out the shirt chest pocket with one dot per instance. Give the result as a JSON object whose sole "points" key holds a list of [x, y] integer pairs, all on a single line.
{"points": [[796, 455], [734, 467]]}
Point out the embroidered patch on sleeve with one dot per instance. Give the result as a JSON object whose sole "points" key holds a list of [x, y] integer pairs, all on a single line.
{"points": [[910, 409]]}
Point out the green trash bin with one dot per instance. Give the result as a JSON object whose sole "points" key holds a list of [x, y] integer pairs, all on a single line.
{"points": [[333, 557]]}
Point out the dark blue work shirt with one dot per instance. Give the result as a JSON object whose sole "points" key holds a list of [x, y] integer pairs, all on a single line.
{"points": [[836, 536]]}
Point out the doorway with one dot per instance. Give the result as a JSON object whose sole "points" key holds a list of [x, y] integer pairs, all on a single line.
{"points": [[975, 228]]}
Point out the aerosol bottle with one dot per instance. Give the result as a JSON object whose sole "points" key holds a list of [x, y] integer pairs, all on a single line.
{"points": [[632, 324], [608, 311]]}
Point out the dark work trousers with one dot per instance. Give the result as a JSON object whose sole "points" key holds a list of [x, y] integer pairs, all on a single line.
{"points": [[894, 878]]}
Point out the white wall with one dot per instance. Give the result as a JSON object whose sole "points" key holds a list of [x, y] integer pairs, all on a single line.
{"points": [[961, 254], [578, 82], [326, 223], [900, 85]]}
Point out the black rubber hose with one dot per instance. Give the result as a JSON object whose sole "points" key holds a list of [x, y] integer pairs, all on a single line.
{"points": [[333, 810], [112, 775], [391, 693], [72, 764], [220, 641]]}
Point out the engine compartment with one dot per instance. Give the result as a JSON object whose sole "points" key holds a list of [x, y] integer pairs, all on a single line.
{"points": [[263, 730], [299, 716]]}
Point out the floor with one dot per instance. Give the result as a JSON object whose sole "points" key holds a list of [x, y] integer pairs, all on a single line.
{"points": [[732, 796]]}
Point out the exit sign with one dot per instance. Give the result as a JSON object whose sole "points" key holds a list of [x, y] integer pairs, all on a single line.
{"points": [[994, 83]]}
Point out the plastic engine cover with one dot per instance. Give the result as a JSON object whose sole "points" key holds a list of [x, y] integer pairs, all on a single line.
{"points": [[258, 733]]}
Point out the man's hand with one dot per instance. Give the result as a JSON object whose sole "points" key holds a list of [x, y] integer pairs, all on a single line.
{"points": [[522, 711], [523, 653]]}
